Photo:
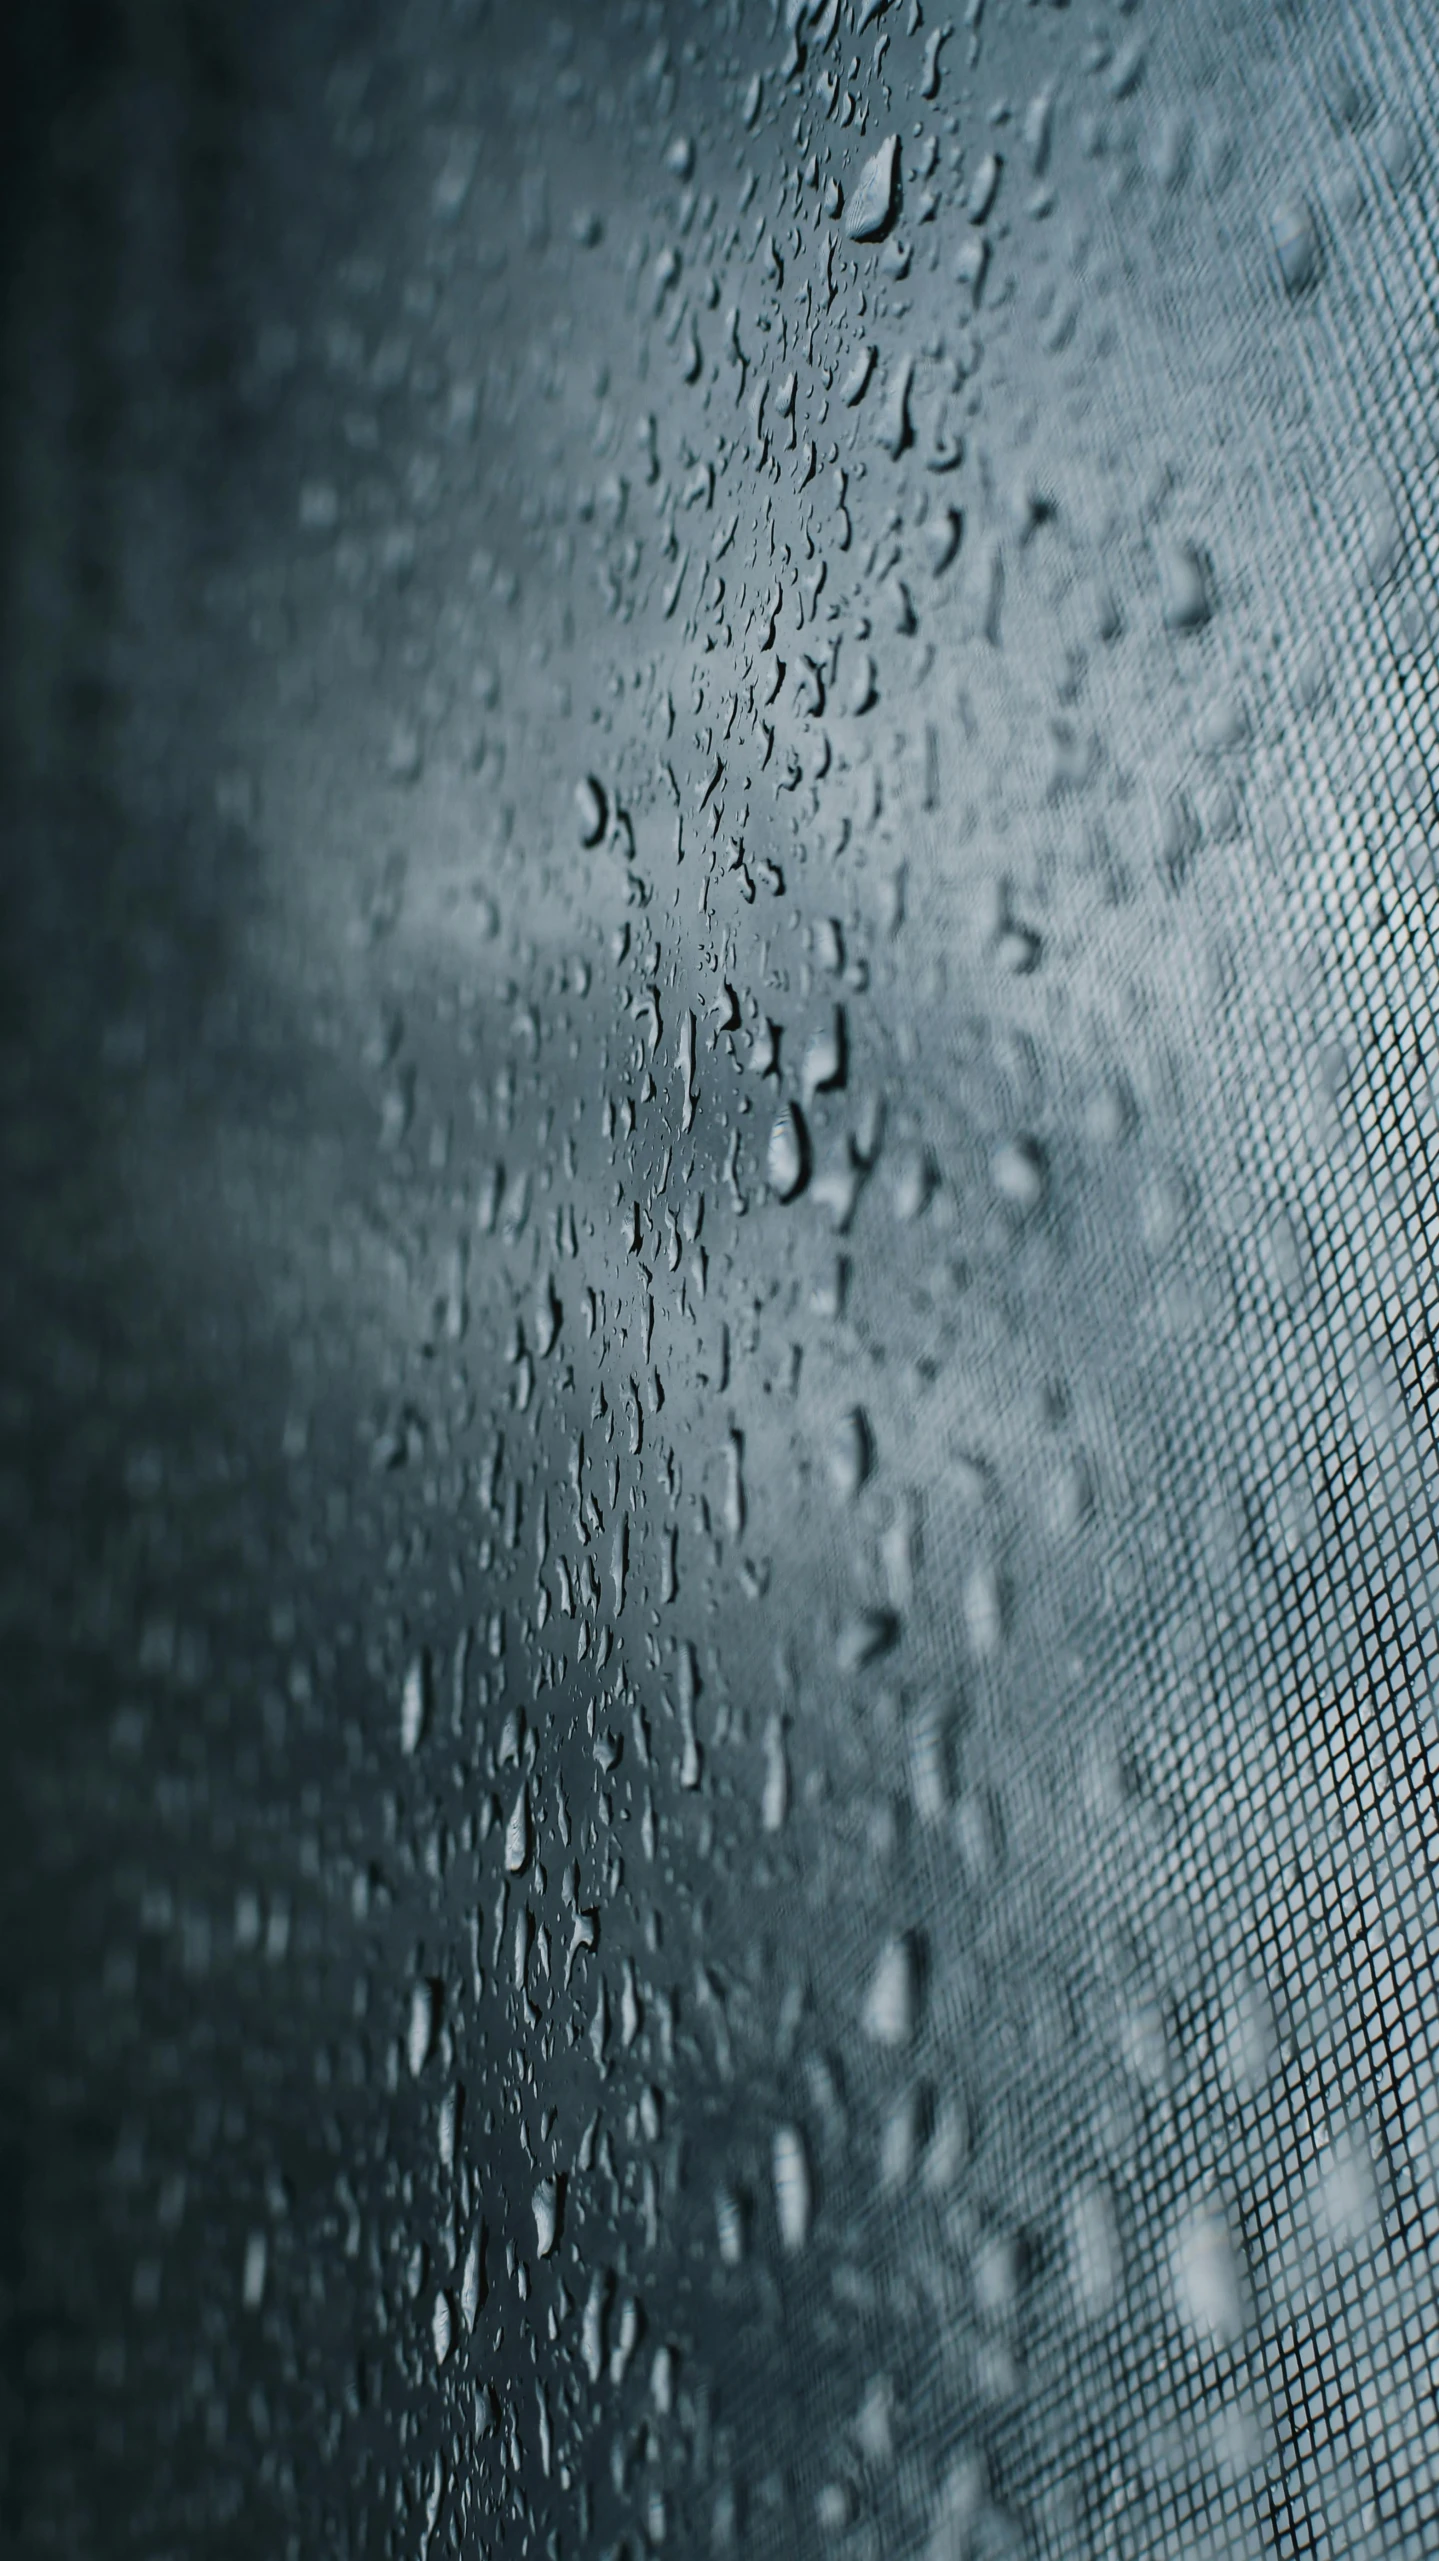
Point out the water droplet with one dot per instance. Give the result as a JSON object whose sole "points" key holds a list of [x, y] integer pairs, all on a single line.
{"points": [[593, 809], [912, 1187], [734, 1496], [862, 689], [424, 2024], [546, 2207], [729, 2226], [517, 1835], [792, 2189], [851, 1453], [984, 187], [893, 428], [774, 1803], [902, 2137], [787, 1157], [252, 2283], [415, 1704], [1184, 584], [857, 381], [1019, 1173], [1038, 129], [931, 1744], [592, 2327], [872, 204], [942, 537], [950, 2145], [472, 2280], [891, 2007], [1296, 244]]}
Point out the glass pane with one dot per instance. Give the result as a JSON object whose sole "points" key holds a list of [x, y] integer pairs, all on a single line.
{"points": [[718, 1150]]}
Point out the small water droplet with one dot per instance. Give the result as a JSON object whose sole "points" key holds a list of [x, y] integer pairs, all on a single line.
{"points": [[472, 2280], [1296, 244]]}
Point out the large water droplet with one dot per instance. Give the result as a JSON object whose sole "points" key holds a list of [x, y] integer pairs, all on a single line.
{"points": [[872, 203], [518, 1835], [546, 2204], [851, 1453], [792, 2191], [593, 809], [424, 2022], [414, 1703], [787, 1157], [891, 2006]]}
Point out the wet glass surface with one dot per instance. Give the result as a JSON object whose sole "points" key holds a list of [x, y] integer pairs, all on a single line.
{"points": [[718, 1167]]}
